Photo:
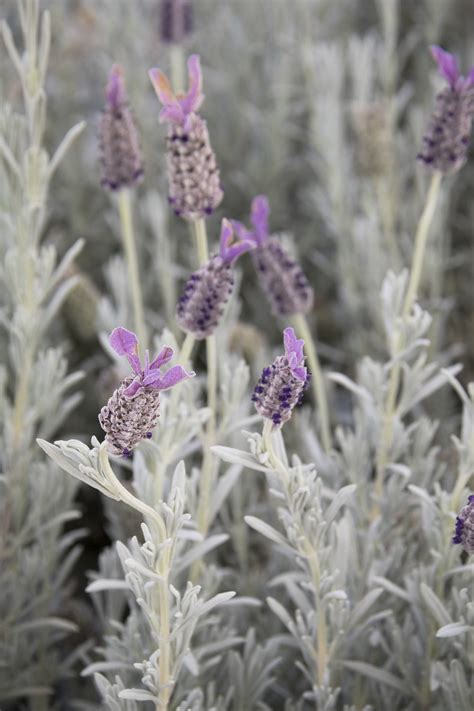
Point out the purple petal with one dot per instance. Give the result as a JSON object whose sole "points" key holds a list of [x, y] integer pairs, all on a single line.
{"points": [[153, 379], [259, 213], [125, 343], [172, 377], [193, 99], [470, 77], [237, 249], [228, 251], [301, 372], [293, 347], [227, 235], [115, 92], [447, 64], [133, 388], [163, 357], [241, 231], [172, 114]]}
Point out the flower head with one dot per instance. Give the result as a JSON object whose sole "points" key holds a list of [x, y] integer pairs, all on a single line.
{"points": [[446, 141], [464, 531], [282, 384], [281, 277], [178, 109], [208, 289], [133, 409], [195, 188], [121, 158]]}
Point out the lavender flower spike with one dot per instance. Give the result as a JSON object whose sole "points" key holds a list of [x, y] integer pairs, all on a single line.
{"points": [[283, 383], [446, 140], [464, 532], [132, 411], [208, 289], [121, 159], [280, 276], [194, 184]]}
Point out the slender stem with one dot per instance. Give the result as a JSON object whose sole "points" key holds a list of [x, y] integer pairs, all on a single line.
{"points": [[165, 647], [177, 66], [208, 459], [165, 448], [308, 551], [199, 227], [125, 212], [421, 238], [130, 499], [207, 471], [302, 329], [163, 603]]}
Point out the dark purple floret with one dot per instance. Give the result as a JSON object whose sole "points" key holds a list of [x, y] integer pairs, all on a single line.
{"points": [[121, 158], [446, 140], [464, 528], [282, 385]]}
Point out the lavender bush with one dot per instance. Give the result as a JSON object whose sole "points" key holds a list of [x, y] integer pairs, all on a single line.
{"points": [[236, 386]]}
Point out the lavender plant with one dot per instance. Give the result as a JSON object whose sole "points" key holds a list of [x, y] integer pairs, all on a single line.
{"points": [[36, 554], [351, 557]]}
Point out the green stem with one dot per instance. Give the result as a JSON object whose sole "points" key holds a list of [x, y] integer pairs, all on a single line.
{"points": [[148, 512], [200, 232], [307, 550], [207, 472], [166, 450], [165, 647], [421, 238], [207, 477], [125, 212], [163, 568], [302, 329], [177, 67]]}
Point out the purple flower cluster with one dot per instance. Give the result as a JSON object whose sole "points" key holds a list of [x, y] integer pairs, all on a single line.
{"points": [[464, 531], [194, 183], [282, 384], [446, 141], [132, 411], [281, 277], [121, 158], [208, 289]]}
